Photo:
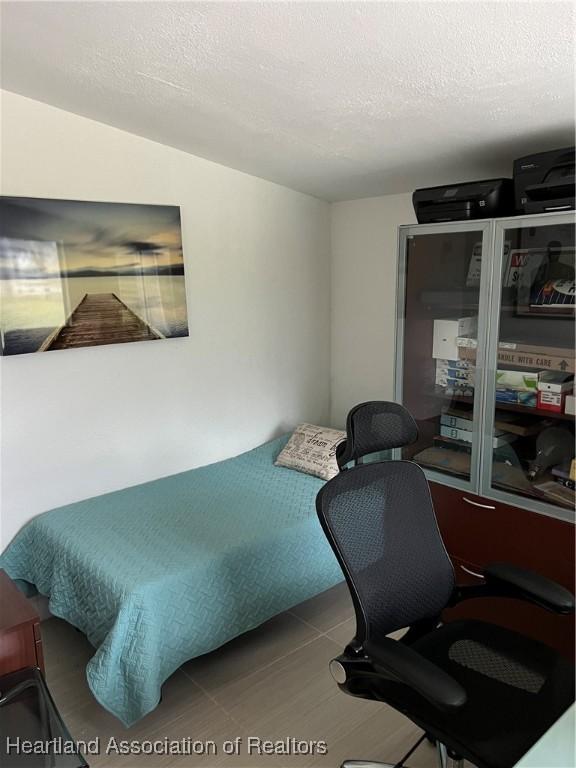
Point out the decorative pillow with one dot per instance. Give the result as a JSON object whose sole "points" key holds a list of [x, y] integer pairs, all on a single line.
{"points": [[312, 450]]}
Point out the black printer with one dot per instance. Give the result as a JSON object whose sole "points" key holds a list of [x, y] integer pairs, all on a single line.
{"points": [[470, 200], [545, 182]]}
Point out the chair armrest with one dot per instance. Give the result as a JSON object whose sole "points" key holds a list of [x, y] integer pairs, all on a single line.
{"points": [[403, 664], [512, 581]]}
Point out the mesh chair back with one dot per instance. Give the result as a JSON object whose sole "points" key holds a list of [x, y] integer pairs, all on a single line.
{"points": [[375, 426], [381, 524]]}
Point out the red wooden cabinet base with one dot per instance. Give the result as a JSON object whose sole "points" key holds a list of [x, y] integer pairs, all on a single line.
{"points": [[20, 639], [477, 535]]}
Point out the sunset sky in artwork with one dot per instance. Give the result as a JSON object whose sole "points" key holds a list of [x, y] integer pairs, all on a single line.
{"points": [[107, 237]]}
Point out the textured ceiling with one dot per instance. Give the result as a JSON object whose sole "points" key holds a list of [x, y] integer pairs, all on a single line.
{"points": [[338, 99]]}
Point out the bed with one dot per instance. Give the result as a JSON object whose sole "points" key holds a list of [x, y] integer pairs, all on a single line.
{"points": [[162, 572]]}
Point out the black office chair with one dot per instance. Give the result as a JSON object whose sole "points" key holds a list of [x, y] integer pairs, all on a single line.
{"points": [[481, 692], [375, 427]]}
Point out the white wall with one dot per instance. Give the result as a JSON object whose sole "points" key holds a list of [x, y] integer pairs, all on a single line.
{"points": [[364, 259], [79, 423]]}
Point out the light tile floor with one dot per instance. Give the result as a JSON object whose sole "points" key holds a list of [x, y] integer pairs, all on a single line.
{"points": [[271, 683]]}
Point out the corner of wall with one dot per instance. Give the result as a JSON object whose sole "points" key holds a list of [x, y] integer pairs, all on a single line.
{"points": [[363, 298]]}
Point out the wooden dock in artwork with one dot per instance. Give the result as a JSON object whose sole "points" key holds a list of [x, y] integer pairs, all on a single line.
{"points": [[100, 318]]}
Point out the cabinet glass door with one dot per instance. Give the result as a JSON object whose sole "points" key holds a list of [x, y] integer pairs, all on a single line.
{"points": [[530, 396], [440, 324]]}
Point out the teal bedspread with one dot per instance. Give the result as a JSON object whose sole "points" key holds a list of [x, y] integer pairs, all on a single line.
{"points": [[162, 572]]}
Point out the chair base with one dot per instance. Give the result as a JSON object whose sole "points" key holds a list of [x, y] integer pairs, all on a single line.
{"points": [[366, 764], [445, 760]]}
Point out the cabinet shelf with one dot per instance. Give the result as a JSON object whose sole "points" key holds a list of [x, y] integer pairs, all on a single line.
{"points": [[540, 412], [534, 494]]}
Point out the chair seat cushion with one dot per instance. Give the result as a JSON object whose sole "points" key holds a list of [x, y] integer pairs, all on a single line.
{"points": [[517, 688]]}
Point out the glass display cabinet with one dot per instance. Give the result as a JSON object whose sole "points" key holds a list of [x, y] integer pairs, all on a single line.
{"points": [[485, 364], [441, 273], [486, 356], [530, 382]]}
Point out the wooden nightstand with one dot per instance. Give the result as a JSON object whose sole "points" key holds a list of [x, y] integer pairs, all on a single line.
{"points": [[20, 640]]}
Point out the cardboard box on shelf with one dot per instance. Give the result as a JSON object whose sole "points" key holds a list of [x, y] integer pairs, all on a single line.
{"points": [[456, 388], [447, 376], [551, 401], [467, 436], [527, 398], [535, 349], [552, 381], [446, 332], [456, 422], [520, 424], [518, 346], [466, 342], [459, 423], [570, 405], [467, 369], [465, 365], [573, 469], [523, 380], [450, 371], [565, 364]]}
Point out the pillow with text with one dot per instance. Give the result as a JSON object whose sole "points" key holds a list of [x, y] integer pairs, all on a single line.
{"points": [[312, 449]]}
